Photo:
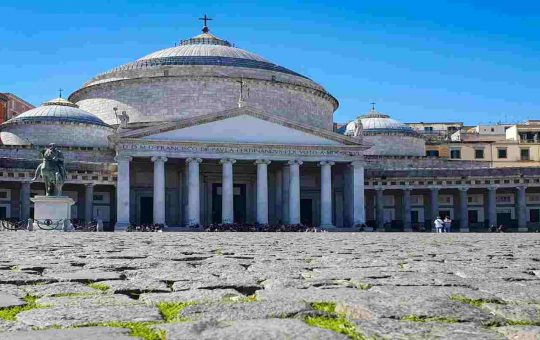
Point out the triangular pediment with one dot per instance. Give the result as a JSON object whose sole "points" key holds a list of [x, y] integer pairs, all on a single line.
{"points": [[242, 125]]}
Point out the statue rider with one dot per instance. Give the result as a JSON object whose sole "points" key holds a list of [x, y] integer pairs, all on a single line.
{"points": [[58, 158]]}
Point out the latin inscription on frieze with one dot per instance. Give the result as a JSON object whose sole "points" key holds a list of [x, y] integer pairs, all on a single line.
{"points": [[238, 150]]}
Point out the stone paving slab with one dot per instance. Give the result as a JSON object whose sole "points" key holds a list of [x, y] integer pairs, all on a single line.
{"points": [[270, 285]]}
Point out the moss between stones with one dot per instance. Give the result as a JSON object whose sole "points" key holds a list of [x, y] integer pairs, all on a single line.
{"points": [[10, 313], [473, 302], [73, 295], [336, 322], [522, 323], [99, 286], [170, 310], [142, 330], [423, 318]]}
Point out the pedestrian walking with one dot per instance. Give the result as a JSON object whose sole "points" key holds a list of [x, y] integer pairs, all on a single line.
{"points": [[447, 224], [439, 224]]}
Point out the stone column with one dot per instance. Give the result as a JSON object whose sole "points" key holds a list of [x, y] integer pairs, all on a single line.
{"points": [[407, 224], [294, 191], [521, 208], [159, 189], [434, 203], [227, 191], [463, 211], [285, 200], [326, 194], [25, 201], [379, 194], [278, 207], [492, 206], [356, 177], [262, 191], [194, 195], [122, 192], [88, 202]]}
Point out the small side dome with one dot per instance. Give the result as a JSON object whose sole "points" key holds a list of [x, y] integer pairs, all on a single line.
{"points": [[56, 121], [387, 136], [375, 123], [58, 110]]}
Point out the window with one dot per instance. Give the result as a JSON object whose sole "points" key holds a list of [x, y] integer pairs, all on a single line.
{"points": [[5, 194], [417, 200], [476, 199], [428, 128], [432, 153], [446, 199], [533, 198], [479, 153], [102, 197], [525, 154], [492, 130], [504, 198], [455, 154], [501, 153]]}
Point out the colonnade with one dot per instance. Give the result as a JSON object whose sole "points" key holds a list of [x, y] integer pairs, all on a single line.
{"points": [[462, 206], [291, 192]]}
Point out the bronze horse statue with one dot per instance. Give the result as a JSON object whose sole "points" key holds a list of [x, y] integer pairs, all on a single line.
{"points": [[52, 171]]}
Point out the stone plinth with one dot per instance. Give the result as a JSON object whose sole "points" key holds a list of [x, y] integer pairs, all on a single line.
{"points": [[52, 208]]}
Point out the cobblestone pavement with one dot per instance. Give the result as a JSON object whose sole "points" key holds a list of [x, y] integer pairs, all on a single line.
{"points": [[269, 286]]}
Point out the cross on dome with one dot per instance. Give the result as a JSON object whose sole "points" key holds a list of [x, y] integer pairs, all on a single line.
{"points": [[205, 19]]}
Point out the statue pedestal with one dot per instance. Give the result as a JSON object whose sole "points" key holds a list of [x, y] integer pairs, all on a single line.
{"points": [[52, 208]]}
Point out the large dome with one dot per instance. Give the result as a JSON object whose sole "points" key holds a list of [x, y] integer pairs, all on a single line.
{"points": [[56, 121], [199, 76]]}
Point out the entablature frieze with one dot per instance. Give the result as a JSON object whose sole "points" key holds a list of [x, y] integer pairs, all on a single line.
{"points": [[450, 183], [136, 148], [73, 177]]}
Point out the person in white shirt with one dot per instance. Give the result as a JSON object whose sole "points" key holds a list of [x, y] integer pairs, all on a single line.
{"points": [[439, 224]]}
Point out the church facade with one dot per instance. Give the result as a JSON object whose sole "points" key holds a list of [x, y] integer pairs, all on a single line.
{"points": [[205, 133]]}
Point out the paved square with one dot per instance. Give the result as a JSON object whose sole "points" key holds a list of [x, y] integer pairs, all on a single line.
{"points": [[269, 285]]}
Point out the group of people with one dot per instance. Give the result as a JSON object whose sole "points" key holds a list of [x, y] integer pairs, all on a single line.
{"points": [[443, 226], [146, 228], [242, 227]]}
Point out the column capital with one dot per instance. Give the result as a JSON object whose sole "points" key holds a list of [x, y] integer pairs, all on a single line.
{"points": [[433, 188], [492, 187], [521, 188], [89, 185], [295, 161], [263, 161], [193, 159], [123, 158], [330, 163], [159, 159], [227, 160], [407, 188], [379, 189], [465, 189]]}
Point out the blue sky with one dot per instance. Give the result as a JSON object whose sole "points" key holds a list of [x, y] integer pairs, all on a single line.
{"points": [[476, 61]]}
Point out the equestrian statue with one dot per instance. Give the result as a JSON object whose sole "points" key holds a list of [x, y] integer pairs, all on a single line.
{"points": [[52, 170]]}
